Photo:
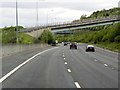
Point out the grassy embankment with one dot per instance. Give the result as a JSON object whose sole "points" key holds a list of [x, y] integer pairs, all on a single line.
{"points": [[8, 36], [107, 36]]}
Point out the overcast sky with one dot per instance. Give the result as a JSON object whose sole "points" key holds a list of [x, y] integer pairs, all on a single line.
{"points": [[49, 11]]}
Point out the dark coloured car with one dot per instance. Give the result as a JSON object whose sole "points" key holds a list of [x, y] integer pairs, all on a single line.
{"points": [[65, 43], [54, 44], [90, 48], [73, 46]]}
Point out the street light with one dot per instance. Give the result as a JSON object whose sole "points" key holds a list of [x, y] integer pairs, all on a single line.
{"points": [[17, 40], [37, 13], [37, 16]]}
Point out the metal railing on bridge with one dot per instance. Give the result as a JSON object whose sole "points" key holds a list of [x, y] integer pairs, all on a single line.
{"points": [[72, 23]]}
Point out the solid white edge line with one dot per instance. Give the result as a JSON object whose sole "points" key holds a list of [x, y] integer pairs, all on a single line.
{"points": [[19, 66], [77, 85], [69, 70]]}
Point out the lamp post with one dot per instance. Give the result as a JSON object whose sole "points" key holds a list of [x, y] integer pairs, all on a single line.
{"points": [[17, 29], [37, 13], [37, 16]]}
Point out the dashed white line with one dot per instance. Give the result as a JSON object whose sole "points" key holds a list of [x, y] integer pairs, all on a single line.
{"points": [[77, 85], [69, 70], [64, 58], [19, 66], [112, 68], [65, 63], [95, 60], [63, 55], [105, 65]]}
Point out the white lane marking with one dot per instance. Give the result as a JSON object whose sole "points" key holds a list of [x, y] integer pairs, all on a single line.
{"points": [[63, 55], [112, 68], [69, 70], [105, 65], [65, 63], [77, 85], [64, 58], [19, 66]]}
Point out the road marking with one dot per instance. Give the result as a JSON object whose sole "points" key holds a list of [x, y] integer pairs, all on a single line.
{"points": [[95, 60], [77, 85], [112, 68], [64, 58], [65, 63], [63, 55], [69, 70], [19, 66], [105, 65]]}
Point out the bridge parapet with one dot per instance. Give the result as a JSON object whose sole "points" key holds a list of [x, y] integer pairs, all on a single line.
{"points": [[80, 22]]}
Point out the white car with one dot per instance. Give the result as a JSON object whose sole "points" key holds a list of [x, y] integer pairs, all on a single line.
{"points": [[90, 48]]}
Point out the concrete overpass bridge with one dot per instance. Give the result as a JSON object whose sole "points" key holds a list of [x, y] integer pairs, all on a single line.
{"points": [[85, 24], [72, 25]]}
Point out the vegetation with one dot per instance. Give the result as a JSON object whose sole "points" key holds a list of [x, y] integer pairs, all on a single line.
{"points": [[106, 36], [101, 14], [26, 39], [8, 35], [83, 17], [105, 13], [47, 37]]}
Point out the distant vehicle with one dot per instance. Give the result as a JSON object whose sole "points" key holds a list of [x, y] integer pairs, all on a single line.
{"points": [[56, 41], [68, 42], [90, 48], [54, 44], [65, 43], [73, 46]]}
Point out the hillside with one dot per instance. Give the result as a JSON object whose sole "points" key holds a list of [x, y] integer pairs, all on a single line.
{"points": [[105, 13], [8, 35], [113, 12], [107, 36]]}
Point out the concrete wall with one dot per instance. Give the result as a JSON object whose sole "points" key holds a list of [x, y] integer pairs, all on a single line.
{"points": [[14, 48]]}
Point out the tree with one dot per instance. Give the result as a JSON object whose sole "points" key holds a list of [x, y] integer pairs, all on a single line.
{"points": [[84, 16], [47, 37]]}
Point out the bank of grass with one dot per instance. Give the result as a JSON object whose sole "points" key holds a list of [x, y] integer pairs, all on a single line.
{"points": [[106, 37], [110, 46], [8, 36], [26, 39]]}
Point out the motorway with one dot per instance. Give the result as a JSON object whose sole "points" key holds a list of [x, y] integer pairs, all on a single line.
{"points": [[61, 67]]}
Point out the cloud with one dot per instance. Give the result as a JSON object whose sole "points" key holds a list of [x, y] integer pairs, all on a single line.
{"points": [[55, 10]]}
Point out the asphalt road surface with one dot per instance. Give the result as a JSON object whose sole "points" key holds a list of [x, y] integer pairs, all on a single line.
{"points": [[64, 68]]}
